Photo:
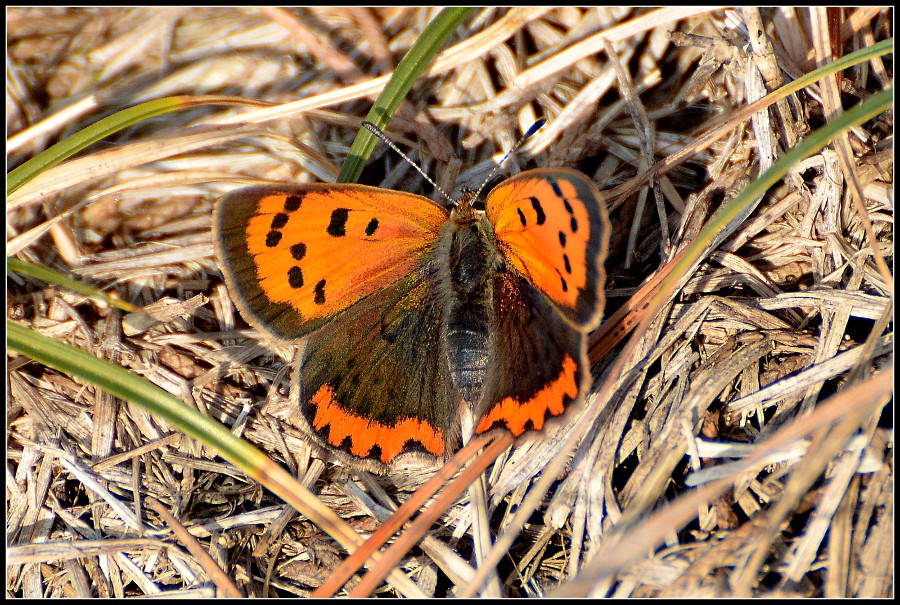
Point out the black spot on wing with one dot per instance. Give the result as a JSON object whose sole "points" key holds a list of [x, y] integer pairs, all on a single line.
{"points": [[292, 203], [320, 293], [279, 221], [338, 225], [556, 188], [273, 238], [538, 210], [295, 277]]}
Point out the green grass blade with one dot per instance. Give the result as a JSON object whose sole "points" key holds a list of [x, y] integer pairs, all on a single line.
{"points": [[135, 389], [732, 214], [109, 125], [742, 205], [54, 277], [855, 58], [408, 71]]}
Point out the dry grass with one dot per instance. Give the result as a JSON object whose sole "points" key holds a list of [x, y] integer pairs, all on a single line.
{"points": [[767, 369]]}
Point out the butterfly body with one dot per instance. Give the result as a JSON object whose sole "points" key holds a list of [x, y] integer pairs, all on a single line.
{"points": [[413, 311], [467, 261]]}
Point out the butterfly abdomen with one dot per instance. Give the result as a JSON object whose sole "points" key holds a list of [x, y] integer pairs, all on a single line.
{"points": [[467, 351], [471, 263]]}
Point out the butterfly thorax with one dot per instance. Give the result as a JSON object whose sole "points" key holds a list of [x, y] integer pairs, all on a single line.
{"points": [[472, 262]]}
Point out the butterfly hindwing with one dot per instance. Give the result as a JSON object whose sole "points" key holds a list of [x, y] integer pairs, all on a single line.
{"points": [[538, 361], [552, 228], [294, 256], [374, 383]]}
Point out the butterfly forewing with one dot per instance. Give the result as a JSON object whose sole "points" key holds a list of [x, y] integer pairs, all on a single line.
{"points": [[295, 256], [551, 226]]}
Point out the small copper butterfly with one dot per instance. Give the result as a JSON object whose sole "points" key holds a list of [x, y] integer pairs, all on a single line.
{"points": [[413, 309]]}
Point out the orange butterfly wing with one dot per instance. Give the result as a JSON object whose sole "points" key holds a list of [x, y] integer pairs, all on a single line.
{"points": [[293, 256], [538, 362], [374, 386], [552, 228]]}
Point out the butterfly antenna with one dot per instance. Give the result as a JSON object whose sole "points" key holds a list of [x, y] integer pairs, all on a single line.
{"points": [[378, 132], [534, 128]]}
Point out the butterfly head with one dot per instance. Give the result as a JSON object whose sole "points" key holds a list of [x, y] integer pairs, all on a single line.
{"points": [[469, 207]]}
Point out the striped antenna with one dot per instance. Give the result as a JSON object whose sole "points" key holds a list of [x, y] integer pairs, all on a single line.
{"points": [[534, 128], [377, 132]]}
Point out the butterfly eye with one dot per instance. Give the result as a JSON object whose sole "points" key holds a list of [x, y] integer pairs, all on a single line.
{"points": [[479, 205]]}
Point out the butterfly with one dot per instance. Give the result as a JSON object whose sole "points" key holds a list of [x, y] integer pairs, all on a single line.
{"points": [[413, 310]]}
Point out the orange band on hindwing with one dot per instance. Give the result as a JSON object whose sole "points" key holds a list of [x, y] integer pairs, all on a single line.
{"points": [[516, 415], [365, 434]]}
